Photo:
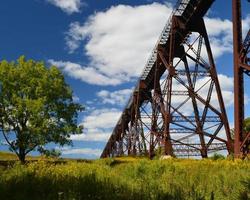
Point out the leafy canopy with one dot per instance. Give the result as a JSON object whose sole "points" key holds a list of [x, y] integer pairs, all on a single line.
{"points": [[246, 127], [36, 106]]}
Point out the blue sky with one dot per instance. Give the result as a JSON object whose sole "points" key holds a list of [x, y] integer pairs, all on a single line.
{"points": [[102, 47]]}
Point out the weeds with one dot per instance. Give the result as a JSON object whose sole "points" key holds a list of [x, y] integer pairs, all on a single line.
{"points": [[127, 178]]}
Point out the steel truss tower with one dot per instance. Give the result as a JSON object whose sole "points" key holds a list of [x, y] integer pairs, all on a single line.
{"points": [[241, 67], [177, 106]]}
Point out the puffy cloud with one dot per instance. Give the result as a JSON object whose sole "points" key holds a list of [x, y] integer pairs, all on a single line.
{"points": [[221, 34], [98, 125], [85, 74], [95, 135], [68, 6], [119, 40], [119, 97], [83, 151], [102, 118], [245, 25]]}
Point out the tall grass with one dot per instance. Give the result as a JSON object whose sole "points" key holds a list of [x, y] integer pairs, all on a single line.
{"points": [[128, 179]]}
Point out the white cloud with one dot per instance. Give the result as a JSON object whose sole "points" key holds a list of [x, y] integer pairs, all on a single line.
{"points": [[89, 102], [84, 151], [245, 25], [119, 97], [103, 118], [221, 34], [226, 85], [85, 74], [68, 6], [76, 98], [98, 125], [119, 40], [95, 135]]}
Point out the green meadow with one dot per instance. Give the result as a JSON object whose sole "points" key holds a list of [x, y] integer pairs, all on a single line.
{"points": [[126, 178]]}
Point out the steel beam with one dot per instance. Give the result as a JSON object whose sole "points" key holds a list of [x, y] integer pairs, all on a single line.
{"points": [[241, 66]]}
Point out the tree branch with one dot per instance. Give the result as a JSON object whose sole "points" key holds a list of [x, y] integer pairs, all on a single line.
{"points": [[9, 143], [31, 149]]}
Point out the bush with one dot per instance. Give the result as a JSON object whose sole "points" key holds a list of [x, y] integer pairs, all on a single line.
{"points": [[217, 156]]}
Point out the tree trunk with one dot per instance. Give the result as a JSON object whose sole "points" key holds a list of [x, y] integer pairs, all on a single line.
{"points": [[21, 156]]}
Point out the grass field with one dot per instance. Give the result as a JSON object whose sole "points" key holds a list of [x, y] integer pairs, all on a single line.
{"points": [[11, 156], [127, 178]]}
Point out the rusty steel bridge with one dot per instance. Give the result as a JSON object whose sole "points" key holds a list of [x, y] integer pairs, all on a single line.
{"points": [[177, 106]]}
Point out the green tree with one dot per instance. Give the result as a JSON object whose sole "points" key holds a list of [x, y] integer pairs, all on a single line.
{"points": [[36, 106], [217, 156], [246, 127]]}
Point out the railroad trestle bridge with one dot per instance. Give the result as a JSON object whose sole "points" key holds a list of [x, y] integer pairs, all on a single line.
{"points": [[177, 105]]}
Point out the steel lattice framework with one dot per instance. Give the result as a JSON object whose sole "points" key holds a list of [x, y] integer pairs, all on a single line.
{"points": [[177, 105]]}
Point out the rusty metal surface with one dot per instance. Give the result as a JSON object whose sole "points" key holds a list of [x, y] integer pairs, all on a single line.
{"points": [[241, 66]]}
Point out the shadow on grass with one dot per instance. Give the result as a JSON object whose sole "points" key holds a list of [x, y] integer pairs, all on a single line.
{"points": [[245, 194], [87, 187]]}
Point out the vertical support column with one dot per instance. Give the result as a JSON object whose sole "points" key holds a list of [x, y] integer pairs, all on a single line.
{"points": [[161, 106], [121, 139], [167, 117], [137, 149], [129, 139], [238, 78], [153, 129], [217, 87], [134, 124]]}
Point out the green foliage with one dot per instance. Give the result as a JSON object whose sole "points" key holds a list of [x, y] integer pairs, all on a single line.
{"points": [[247, 124], [246, 127], [36, 106], [128, 178], [158, 152], [217, 156], [53, 153]]}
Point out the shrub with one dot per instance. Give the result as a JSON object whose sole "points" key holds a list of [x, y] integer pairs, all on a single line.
{"points": [[217, 156]]}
